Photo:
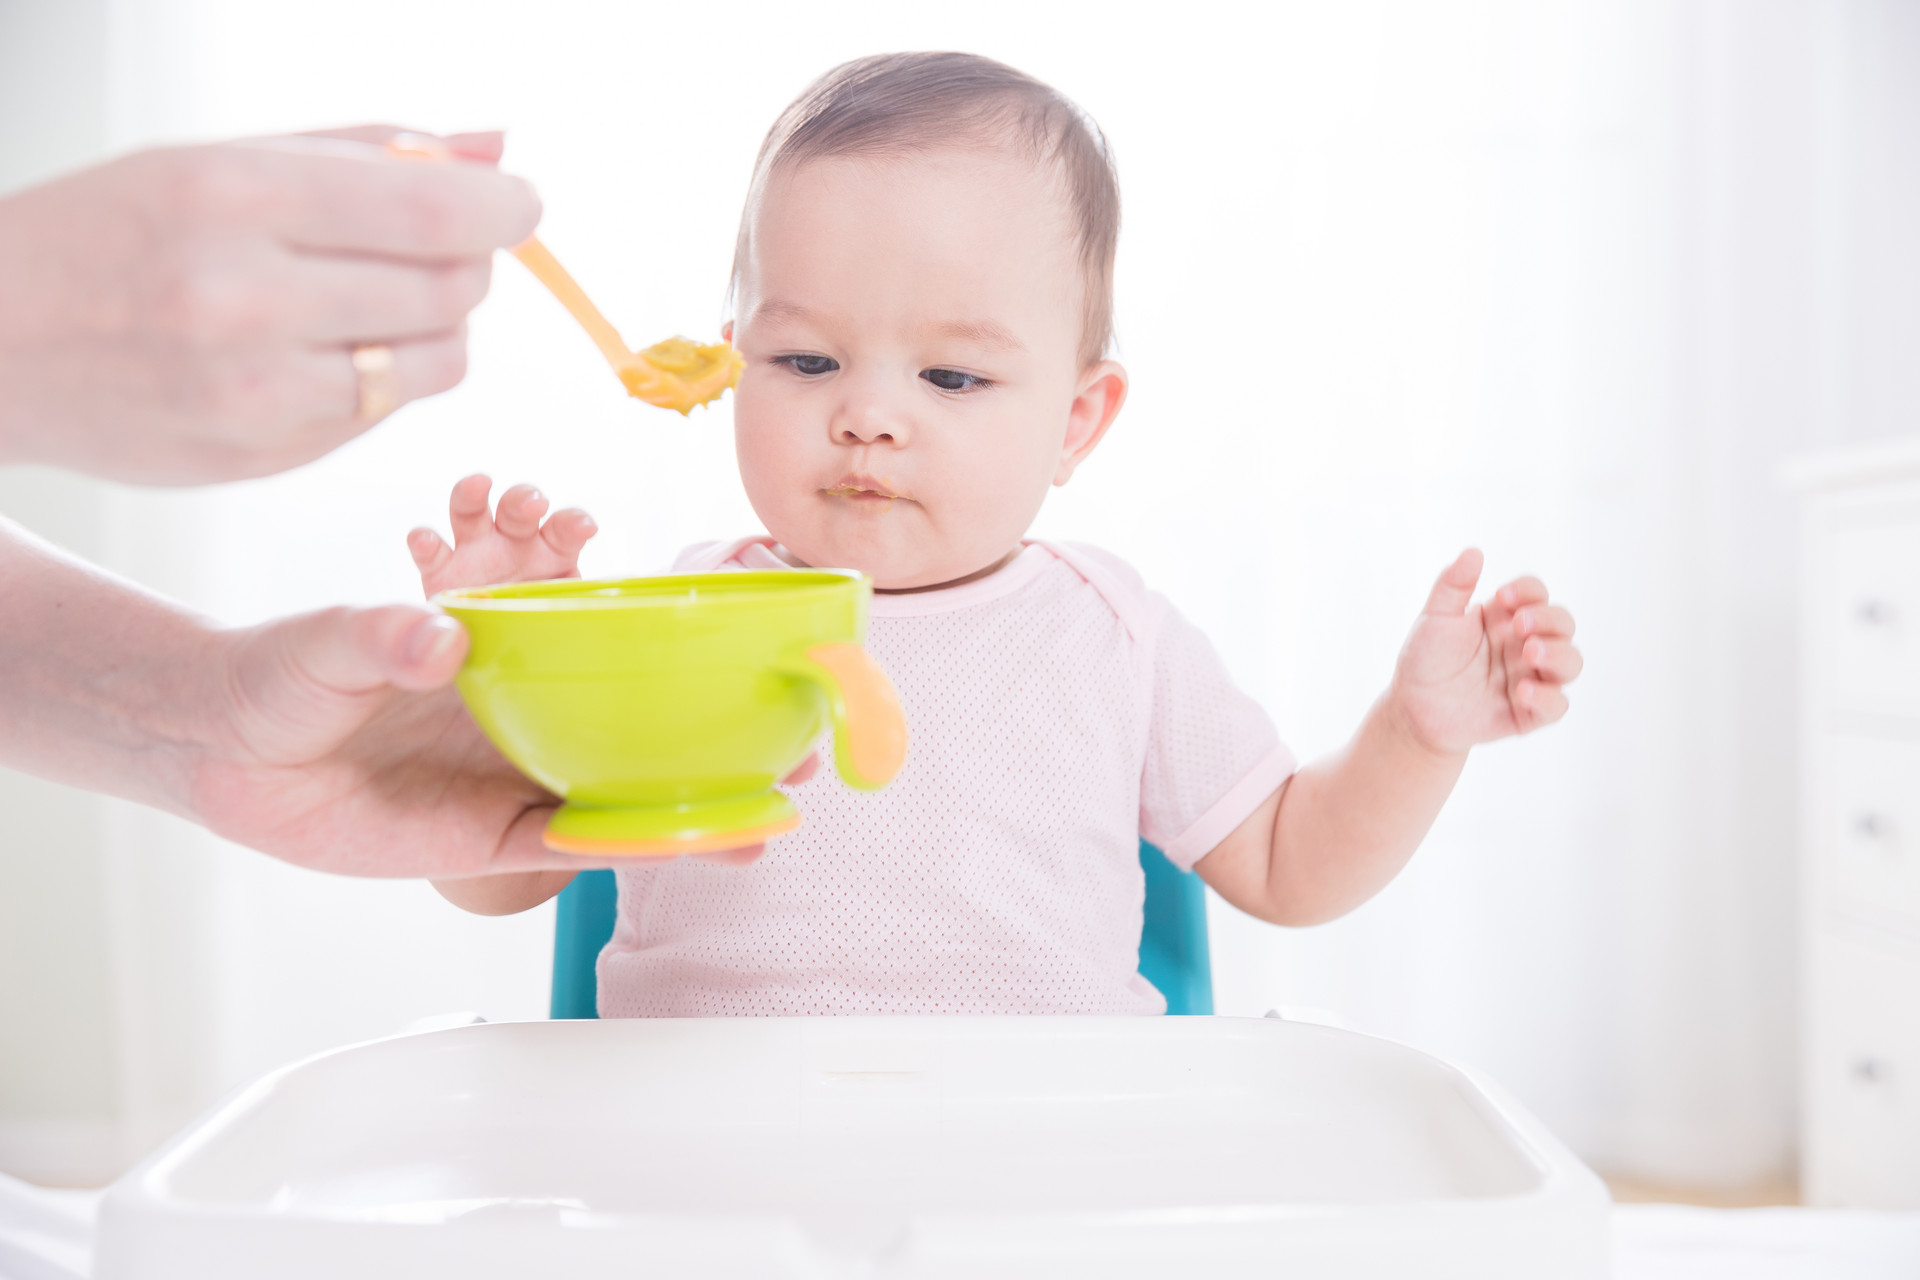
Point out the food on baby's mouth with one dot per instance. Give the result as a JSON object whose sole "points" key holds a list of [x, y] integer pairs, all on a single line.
{"points": [[680, 373]]}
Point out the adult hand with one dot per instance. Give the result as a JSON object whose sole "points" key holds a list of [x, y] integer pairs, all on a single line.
{"points": [[336, 742], [188, 314], [333, 740]]}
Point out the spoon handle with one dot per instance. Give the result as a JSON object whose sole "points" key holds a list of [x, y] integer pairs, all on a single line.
{"points": [[539, 259], [547, 269]]}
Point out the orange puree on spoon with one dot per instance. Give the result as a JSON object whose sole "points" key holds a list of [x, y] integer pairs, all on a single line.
{"points": [[676, 374]]}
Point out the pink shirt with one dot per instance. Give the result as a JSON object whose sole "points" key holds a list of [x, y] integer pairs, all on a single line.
{"points": [[1057, 711]]}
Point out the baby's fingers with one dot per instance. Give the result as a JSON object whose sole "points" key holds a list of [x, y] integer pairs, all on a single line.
{"points": [[517, 515], [1543, 620], [1522, 592], [1453, 590], [568, 531], [429, 550], [1536, 704], [1554, 661], [467, 508], [802, 771]]}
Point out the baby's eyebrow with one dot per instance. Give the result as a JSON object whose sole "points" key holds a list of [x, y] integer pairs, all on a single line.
{"points": [[779, 309], [987, 333]]}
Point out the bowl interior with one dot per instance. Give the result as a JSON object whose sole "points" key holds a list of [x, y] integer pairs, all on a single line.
{"points": [[668, 591]]}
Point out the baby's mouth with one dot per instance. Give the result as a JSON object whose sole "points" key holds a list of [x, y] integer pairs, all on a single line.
{"points": [[864, 490]]}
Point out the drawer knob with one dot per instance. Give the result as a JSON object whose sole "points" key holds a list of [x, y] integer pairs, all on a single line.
{"points": [[1873, 826], [1867, 1071], [1875, 613]]}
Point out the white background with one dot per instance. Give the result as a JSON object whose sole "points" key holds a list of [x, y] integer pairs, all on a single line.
{"points": [[1560, 279]]}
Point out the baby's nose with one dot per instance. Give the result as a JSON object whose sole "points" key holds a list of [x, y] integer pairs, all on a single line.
{"points": [[868, 419], [864, 433]]}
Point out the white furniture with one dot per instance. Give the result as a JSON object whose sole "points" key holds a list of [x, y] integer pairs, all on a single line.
{"points": [[48, 1235], [1860, 815], [864, 1147]]}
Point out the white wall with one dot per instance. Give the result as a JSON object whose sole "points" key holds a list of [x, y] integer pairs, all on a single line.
{"points": [[57, 1046], [1559, 278]]}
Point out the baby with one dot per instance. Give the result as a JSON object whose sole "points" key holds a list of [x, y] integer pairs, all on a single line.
{"points": [[923, 295]]}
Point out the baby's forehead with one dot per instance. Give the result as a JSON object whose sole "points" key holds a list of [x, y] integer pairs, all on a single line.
{"points": [[979, 209], [981, 177], [961, 236]]}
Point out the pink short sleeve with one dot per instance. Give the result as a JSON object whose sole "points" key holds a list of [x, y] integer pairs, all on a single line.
{"points": [[1212, 752]]}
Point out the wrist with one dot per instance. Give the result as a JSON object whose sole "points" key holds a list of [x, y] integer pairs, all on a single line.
{"points": [[110, 685], [195, 718], [1400, 720], [172, 704]]}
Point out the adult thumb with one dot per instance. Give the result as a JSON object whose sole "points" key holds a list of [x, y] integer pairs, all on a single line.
{"points": [[357, 650]]}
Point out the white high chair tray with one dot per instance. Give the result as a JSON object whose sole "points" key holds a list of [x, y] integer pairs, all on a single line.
{"points": [[875, 1147]]}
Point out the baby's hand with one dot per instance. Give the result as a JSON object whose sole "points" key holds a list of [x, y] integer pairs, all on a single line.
{"points": [[507, 545], [1471, 673]]}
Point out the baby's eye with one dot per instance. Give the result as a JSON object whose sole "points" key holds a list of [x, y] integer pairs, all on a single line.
{"points": [[809, 366], [952, 379]]}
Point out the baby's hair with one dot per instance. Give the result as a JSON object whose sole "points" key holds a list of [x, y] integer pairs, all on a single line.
{"points": [[895, 104]]}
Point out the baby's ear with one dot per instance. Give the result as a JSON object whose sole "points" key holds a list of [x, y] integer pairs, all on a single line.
{"points": [[1101, 391]]}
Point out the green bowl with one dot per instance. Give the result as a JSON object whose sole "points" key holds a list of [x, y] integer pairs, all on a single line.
{"points": [[664, 710]]}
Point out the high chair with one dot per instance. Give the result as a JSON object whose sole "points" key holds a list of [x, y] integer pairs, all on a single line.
{"points": [[1173, 938]]}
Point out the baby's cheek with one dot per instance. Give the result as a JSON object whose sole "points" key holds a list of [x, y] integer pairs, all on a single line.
{"points": [[772, 468], [1001, 501]]}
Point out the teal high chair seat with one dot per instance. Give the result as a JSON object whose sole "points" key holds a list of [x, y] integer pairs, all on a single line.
{"points": [[1173, 938]]}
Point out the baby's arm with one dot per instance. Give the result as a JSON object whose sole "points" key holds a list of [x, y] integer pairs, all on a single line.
{"points": [[507, 544], [1336, 832]]}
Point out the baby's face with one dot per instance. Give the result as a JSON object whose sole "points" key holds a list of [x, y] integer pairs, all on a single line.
{"points": [[912, 385]]}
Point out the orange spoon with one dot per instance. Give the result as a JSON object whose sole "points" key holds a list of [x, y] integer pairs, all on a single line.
{"points": [[675, 374]]}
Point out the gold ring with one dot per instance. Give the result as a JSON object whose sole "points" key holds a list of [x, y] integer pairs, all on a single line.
{"points": [[373, 374]]}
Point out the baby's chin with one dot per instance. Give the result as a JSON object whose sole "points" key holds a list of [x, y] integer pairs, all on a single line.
{"points": [[894, 564]]}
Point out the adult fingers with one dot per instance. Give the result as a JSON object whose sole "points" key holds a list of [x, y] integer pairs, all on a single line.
{"points": [[485, 146], [257, 409], [428, 653], [355, 198], [303, 685], [569, 531], [338, 299], [422, 367], [517, 514], [351, 651], [1454, 590], [1555, 661], [1544, 620], [521, 847], [377, 134]]}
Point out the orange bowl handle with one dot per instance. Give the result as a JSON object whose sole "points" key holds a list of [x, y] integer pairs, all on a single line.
{"points": [[869, 729]]}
